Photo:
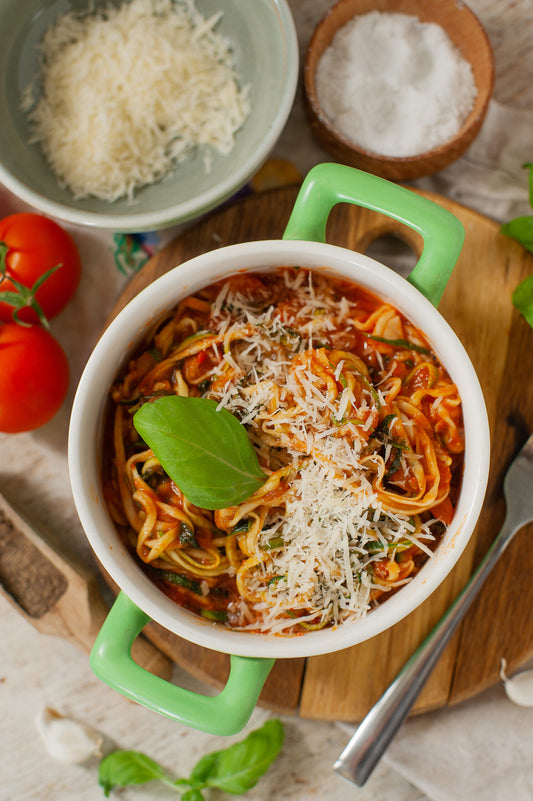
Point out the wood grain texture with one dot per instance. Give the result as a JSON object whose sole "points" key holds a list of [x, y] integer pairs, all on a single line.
{"points": [[477, 304]]}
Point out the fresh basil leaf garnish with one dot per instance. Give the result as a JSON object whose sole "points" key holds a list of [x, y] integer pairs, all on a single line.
{"points": [[204, 450]]}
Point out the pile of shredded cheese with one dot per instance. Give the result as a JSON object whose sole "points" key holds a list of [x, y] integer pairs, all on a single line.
{"points": [[129, 92], [332, 512]]}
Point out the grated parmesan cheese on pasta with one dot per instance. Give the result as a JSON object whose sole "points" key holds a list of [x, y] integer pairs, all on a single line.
{"points": [[357, 428], [332, 512], [129, 92]]}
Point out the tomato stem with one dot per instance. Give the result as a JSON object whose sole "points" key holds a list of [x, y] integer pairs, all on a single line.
{"points": [[23, 296]]}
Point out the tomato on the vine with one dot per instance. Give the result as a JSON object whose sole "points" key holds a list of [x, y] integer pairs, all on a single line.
{"points": [[35, 245], [34, 377]]}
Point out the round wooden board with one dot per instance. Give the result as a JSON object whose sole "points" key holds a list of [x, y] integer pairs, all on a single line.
{"points": [[477, 304]]}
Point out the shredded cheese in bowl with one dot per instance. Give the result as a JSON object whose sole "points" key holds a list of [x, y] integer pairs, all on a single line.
{"points": [[129, 92]]}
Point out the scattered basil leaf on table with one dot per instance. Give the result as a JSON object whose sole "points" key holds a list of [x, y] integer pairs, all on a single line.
{"points": [[235, 769], [238, 768], [122, 768], [523, 298], [521, 229], [192, 795], [204, 450]]}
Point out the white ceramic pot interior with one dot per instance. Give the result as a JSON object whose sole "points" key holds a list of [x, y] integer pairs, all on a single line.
{"points": [[128, 329]]}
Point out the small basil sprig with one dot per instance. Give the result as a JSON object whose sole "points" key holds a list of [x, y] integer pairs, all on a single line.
{"points": [[235, 769], [204, 450], [521, 229]]}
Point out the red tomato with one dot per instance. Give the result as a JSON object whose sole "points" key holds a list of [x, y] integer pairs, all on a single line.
{"points": [[34, 377], [35, 245]]}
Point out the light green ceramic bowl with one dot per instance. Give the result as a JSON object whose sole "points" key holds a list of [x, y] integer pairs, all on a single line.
{"points": [[263, 37]]}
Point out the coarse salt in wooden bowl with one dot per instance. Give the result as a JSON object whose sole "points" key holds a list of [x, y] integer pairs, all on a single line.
{"points": [[464, 31]]}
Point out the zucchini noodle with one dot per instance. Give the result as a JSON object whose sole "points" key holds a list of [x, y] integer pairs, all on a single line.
{"points": [[356, 424]]}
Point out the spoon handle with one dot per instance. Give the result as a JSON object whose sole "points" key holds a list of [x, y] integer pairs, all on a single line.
{"points": [[374, 734]]}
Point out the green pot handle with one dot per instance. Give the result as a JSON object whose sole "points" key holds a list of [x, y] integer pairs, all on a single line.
{"points": [[329, 184], [223, 714]]}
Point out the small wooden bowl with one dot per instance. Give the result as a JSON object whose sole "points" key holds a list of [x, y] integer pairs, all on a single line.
{"points": [[467, 34]]}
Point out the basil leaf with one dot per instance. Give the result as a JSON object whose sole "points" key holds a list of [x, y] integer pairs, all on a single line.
{"points": [[214, 614], [521, 229], [192, 795], [122, 768], [186, 535], [396, 462], [383, 429], [523, 299], [399, 343], [205, 766], [238, 768], [206, 451], [181, 581]]}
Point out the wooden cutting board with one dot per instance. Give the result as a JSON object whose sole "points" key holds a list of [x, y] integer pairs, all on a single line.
{"points": [[477, 303]]}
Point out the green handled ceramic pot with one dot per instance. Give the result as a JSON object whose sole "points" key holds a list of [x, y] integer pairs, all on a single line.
{"points": [[303, 244]]}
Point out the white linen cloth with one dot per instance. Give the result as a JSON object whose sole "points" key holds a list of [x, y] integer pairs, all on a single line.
{"points": [[490, 177], [482, 749]]}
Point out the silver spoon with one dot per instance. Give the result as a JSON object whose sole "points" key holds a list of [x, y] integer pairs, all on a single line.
{"points": [[375, 733]]}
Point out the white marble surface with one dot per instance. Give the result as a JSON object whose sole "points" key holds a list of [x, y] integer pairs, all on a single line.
{"points": [[38, 670]]}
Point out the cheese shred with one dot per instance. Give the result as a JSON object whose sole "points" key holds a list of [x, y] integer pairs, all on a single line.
{"points": [[127, 93]]}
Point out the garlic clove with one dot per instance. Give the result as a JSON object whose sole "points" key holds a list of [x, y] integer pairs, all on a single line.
{"points": [[68, 740], [518, 688]]}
